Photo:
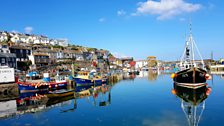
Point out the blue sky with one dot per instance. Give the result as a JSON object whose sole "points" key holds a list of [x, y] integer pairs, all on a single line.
{"points": [[137, 28]]}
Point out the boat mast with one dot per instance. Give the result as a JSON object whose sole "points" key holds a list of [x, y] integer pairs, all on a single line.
{"points": [[191, 43], [188, 56]]}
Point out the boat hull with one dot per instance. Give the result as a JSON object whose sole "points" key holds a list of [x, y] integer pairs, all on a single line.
{"points": [[38, 87], [88, 82], [23, 88], [57, 86], [83, 82], [191, 76]]}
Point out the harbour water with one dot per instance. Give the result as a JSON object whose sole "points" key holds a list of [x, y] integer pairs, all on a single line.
{"points": [[147, 100]]}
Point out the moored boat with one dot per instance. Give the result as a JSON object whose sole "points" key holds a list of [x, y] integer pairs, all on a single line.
{"points": [[85, 78], [43, 85], [32, 87], [190, 72], [60, 93]]}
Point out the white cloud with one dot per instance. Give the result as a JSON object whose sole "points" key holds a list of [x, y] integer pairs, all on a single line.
{"points": [[166, 9], [102, 19], [121, 13], [165, 119], [28, 29]]}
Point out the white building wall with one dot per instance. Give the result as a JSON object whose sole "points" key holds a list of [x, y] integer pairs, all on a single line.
{"points": [[31, 58], [141, 64]]}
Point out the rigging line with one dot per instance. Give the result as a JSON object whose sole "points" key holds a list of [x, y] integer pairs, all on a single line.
{"points": [[202, 61], [183, 56]]}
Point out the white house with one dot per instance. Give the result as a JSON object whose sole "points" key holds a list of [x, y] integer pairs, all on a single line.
{"points": [[53, 42], [140, 64], [62, 42], [41, 40], [15, 37], [3, 36]]}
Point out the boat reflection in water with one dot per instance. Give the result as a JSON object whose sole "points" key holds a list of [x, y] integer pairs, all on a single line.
{"points": [[192, 101], [34, 102], [99, 96]]}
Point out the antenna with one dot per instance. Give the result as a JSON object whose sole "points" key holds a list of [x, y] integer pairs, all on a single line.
{"points": [[190, 25], [212, 55]]}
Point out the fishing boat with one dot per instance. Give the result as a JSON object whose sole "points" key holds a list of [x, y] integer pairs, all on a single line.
{"points": [[60, 93], [39, 85], [191, 72], [25, 87], [192, 101], [84, 78]]}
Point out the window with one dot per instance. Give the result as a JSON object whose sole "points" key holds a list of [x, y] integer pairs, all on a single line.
{"points": [[3, 60], [4, 46]]}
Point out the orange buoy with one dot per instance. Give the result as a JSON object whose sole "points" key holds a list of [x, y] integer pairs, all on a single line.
{"points": [[207, 77], [174, 91], [208, 91], [173, 75]]}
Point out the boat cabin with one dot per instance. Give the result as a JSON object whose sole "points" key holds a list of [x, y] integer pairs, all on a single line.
{"points": [[187, 65], [83, 74]]}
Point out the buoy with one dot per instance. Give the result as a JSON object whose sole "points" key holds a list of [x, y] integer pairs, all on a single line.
{"points": [[208, 91], [207, 77], [173, 75], [174, 91]]}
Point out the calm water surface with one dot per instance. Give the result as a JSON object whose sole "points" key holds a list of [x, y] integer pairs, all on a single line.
{"points": [[144, 101]]}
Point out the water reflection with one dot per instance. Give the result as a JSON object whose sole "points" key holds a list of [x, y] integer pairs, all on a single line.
{"points": [[39, 101], [99, 96], [127, 76], [192, 101], [152, 75], [219, 73]]}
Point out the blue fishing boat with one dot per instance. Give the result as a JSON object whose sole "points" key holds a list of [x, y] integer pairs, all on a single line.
{"points": [[84, 78], [32, 87], [40, 86], [43, 85]]}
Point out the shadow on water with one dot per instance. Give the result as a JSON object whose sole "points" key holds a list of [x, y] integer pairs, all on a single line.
{"points": [[192, 101]]}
